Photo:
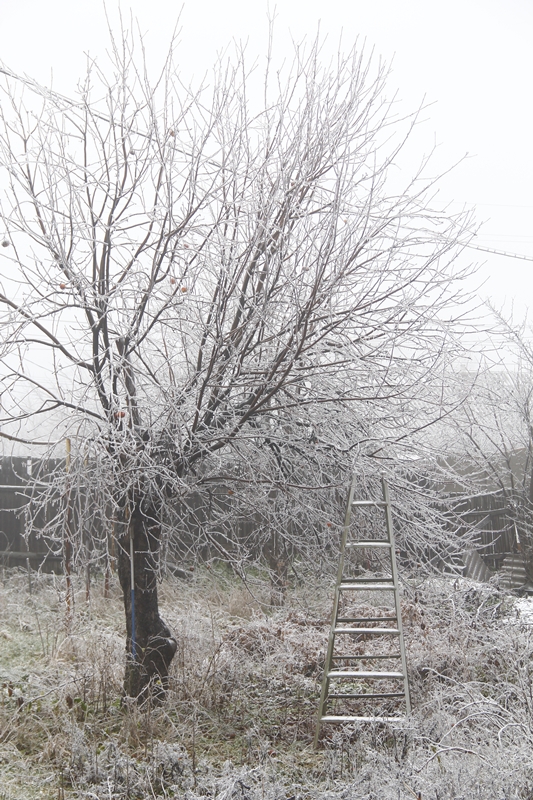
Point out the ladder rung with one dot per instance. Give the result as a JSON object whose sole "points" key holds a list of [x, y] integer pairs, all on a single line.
{"points": [[373, 675], [368, 579], [372, 543], [370, 695], [376, 631], [361, 658], [378, 503], [331, 718], [362, 620], [375, 587]]}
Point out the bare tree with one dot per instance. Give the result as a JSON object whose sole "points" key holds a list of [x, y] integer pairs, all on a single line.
{"points": [[196, 289]]}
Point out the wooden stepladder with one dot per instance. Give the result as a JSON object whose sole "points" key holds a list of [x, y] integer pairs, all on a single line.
{"points": [[365, 673]]}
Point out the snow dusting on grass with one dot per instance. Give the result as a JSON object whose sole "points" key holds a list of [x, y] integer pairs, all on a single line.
{"points": [[239, 719], [523, 607]]}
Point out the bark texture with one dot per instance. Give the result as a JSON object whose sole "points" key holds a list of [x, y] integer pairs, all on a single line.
{"points": [[146, 675]]}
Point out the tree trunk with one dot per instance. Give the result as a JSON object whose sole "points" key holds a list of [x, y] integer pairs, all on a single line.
{"points": [[151, 650]]}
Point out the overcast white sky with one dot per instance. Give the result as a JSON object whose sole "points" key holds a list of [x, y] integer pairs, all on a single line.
{"points": [[473, 59]]}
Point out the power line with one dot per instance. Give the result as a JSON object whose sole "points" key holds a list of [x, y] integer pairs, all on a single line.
{"points": [[499, 252], [44, 91], [497, 205]]}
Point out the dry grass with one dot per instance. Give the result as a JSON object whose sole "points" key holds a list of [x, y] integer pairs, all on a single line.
{"points": [[239, 719]]}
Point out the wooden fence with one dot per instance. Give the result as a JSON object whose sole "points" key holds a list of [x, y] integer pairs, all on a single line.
{"points": [[18, 544], [209, 523], [488, 514]]}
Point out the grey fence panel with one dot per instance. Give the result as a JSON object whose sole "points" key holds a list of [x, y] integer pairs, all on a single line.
{"points": [[203, 525]]}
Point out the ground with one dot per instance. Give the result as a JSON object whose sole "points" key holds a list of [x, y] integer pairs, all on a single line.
{"points": [[239, 719]]}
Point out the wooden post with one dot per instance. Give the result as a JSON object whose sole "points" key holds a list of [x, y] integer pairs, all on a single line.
{"points": [[87, 544], [107, 573], [132, 583], [109, 560], [132, 579], [67, 541]]}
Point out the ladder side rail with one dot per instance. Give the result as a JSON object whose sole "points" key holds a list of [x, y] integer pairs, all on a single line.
{"points": [[390, 533], [345, 531], [324, 694], [331, 641]]}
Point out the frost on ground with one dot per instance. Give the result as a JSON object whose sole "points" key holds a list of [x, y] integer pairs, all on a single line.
{"points": [[239, 720], [523, 608]]}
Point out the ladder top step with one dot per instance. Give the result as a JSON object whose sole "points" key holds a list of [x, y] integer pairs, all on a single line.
{"points": [[370, 543], [337, 673], [360, 719], [377, 631], [375, 587], [378, 503]]}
